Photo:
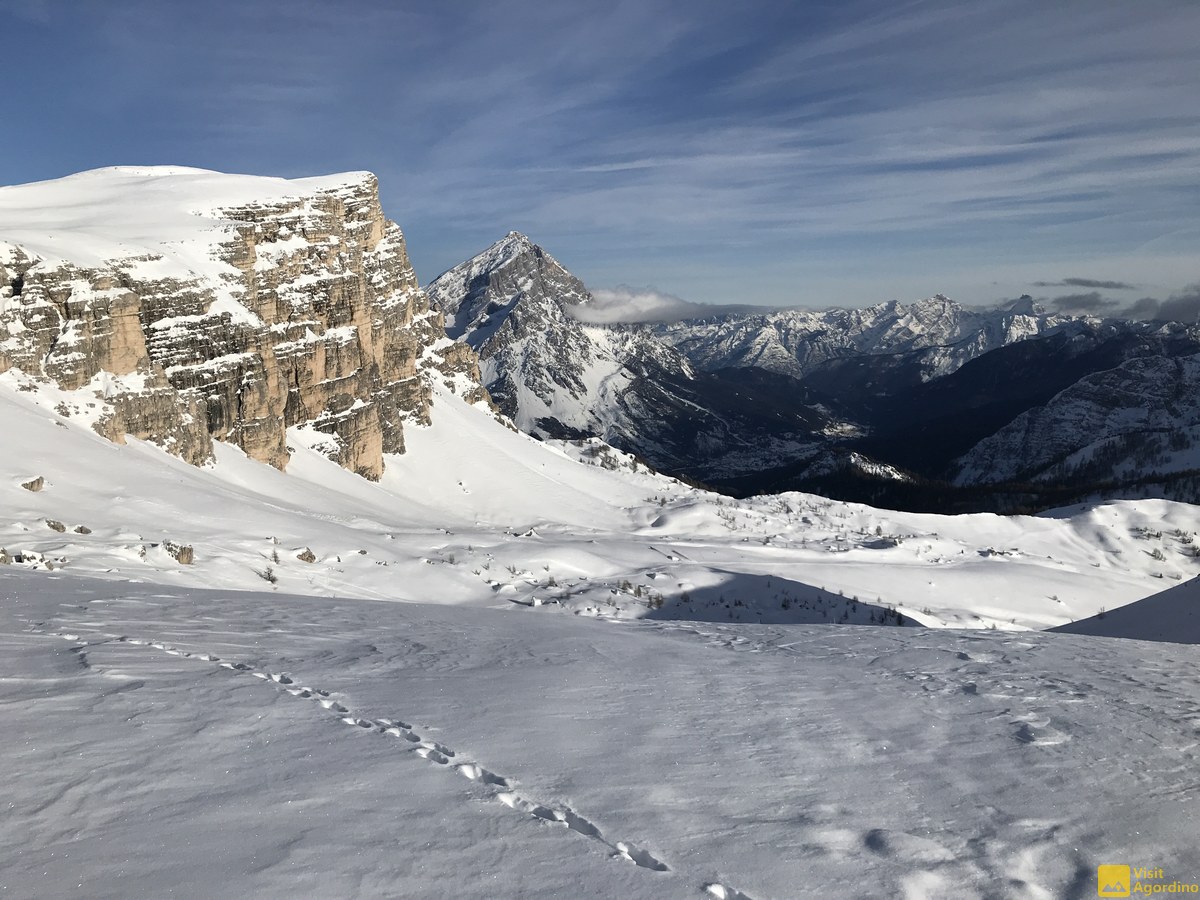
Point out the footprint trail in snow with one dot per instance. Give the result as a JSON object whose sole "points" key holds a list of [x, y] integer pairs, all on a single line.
{"points": [[434, 752]]}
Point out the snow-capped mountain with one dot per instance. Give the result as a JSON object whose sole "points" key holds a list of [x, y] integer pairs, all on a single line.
{"points": [[797, 342], [871, 404], [548, 372], [557, 376]]}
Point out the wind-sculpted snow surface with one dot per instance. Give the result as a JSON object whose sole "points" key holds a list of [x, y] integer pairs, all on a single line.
{"points": [[173, 741]]}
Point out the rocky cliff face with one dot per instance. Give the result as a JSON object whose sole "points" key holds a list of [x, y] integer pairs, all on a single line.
{"points": [[199, 306]]}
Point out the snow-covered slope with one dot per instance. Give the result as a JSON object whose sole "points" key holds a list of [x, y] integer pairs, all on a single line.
{"points": [[121, 214], [1173, 616], [476, 513], [161, 741], [1139, 421]]}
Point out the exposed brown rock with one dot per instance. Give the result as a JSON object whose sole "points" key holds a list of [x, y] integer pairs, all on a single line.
{"points": [[182, 553], [35, 485], [339, 335], [306, 555], [55, 525]]}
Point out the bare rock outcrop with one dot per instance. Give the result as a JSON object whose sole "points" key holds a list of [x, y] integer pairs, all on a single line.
{"points": [[184, 554], [297, 304]]}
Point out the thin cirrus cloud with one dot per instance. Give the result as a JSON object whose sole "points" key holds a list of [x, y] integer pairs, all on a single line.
{"points": [[759, 152], [1091, 302], [1088, 283]]}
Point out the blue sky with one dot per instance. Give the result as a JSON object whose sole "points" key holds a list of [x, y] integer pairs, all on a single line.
{"points": [[812, 153]]}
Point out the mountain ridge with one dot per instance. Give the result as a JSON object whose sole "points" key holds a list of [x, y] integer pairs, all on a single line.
{"points": [[883, 400]]}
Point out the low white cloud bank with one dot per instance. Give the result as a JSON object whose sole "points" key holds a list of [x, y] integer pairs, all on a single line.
{"points": [[632, 304]]}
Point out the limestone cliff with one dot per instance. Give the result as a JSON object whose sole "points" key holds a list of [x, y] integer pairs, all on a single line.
{"points": [[197, 306]]}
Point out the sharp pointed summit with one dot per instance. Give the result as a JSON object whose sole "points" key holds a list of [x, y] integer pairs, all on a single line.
{"points": [[558, 377]]}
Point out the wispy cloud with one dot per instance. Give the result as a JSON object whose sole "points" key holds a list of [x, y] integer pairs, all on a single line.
{"points": [[1088, 283], [1183, 306], [759, 151], [1091, 303], [631, 304]]}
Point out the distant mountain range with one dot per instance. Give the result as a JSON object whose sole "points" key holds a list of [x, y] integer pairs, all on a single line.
{"points": [[558, 377], [928, 405]]}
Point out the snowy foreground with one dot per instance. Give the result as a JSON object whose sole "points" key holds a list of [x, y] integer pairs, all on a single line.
{"points": [[510, 669], [175, 742]]}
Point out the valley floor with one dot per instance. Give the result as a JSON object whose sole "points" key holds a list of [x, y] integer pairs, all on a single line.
{"points": [[169, 741]]}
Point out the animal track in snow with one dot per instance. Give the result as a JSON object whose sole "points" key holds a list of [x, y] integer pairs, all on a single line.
{"points": [[478, 773], [721, 892], [639, 857], [1035, 729], [580, 825], [436, 753], [909, 848]]}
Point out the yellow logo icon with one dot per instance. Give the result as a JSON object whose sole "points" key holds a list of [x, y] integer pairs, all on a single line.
{"points": [[1112, 881]]}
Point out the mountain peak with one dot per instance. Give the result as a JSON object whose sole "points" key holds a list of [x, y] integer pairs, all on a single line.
{"points": [[511, 244], [477, 296], [1026, 306], [510, 247]]}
